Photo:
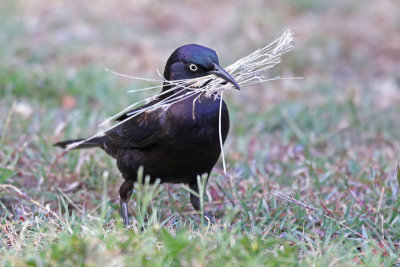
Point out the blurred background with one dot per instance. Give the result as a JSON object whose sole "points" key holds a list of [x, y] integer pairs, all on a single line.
{"points": [[350, 46], [337, 124]]}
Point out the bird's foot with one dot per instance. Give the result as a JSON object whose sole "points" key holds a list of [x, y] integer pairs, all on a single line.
{"points": [[208, 218]]}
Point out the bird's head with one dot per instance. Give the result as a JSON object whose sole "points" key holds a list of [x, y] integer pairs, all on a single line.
{"points": [[193, 61]]}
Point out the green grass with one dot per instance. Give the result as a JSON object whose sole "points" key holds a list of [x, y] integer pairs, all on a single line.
{"points": [[330, 141]]}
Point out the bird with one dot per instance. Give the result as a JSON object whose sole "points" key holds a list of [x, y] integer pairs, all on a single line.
{"points": [[176, 144]]}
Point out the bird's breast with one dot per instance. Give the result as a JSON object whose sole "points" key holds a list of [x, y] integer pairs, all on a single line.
{"points": [[196, 121]]}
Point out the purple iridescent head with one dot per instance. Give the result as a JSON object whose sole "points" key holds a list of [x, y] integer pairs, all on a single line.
{"points": [[193, 61]]}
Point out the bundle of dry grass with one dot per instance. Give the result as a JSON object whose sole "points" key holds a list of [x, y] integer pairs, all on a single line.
{"points": [[248, 70]]}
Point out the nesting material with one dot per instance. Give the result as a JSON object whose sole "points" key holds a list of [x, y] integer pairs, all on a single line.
{"points": [[246, 71]]}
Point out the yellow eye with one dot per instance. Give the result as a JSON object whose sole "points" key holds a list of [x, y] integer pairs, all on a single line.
{"points": [[193, 67]]}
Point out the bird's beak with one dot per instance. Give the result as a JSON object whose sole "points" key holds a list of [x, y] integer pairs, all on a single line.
{"points": [[220, 72]]}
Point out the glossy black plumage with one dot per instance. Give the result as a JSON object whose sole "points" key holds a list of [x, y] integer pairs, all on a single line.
{"points": [[175, 145]]}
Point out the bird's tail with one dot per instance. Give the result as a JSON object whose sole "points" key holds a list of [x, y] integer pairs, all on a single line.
{"points": [[94, 142]]}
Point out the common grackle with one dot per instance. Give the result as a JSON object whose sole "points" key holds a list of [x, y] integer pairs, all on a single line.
{"points": [[175, 145]]}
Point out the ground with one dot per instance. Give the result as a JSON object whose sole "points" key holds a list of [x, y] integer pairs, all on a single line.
{"points": [[312, 164]]}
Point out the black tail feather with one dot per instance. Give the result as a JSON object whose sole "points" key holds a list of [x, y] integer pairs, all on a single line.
{"points": [[94, 142]]}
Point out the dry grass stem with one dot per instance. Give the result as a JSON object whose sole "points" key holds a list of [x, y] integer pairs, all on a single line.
{"points": [[292, 200], [13, 189]]}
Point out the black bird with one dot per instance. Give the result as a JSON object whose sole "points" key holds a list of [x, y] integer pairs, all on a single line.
{"points": [[175, 145]]}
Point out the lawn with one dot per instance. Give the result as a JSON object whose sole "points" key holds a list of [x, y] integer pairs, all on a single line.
{"points": [[312, 164]]}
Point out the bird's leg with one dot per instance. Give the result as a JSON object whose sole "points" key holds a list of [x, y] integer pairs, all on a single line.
{"points": [[125, 193], [193, 198], [196, 200]]}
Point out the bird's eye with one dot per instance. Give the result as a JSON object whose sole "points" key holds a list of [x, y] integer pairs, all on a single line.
{"points": [[193, 67]]}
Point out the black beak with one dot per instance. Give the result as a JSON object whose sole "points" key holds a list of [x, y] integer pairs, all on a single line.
{"points": [[220, 72]]}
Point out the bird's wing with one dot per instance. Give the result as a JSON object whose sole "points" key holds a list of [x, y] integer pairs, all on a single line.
{"points": [[142, 130], [127, 114]]}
